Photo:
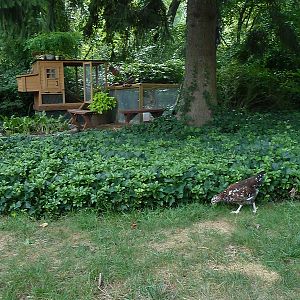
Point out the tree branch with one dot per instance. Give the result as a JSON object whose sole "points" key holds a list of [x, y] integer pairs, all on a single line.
{"points": [[173, 10], [240, 21]]}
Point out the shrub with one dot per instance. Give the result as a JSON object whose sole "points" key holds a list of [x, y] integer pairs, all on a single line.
{"points": [[251, 86], [169, 72], [58, 43], [11, 102]]}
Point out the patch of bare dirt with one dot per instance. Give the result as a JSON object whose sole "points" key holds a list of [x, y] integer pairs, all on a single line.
{"points": [[166, 272], [178, 239], [250, 270], [5, 244], [233, 251], [112, 291], [219, 226], [67, 236], [181, 238], [48, 241], [5, 240]]}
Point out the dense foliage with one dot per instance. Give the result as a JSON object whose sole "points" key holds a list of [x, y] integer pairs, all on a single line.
{"points": [[10, 101], [163, 163], [40, 123], [258, 55], [258, 45], [254, 87], [65, 44], [169, 72]]}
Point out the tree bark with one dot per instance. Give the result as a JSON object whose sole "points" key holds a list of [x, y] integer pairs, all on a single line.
{"points": [[199, 88]]}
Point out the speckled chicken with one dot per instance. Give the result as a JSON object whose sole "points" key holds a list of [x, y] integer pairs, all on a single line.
{"points": [[242, 192]]}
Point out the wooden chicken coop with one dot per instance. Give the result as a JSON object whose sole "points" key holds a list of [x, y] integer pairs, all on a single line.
{"points": [[63, 84]]}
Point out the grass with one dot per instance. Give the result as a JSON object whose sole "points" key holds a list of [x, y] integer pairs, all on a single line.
{"points": [[192, 252]]}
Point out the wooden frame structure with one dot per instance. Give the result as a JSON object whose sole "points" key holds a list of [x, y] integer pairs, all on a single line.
{"points": [[47, 81]]}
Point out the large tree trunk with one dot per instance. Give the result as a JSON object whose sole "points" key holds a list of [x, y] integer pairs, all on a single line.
{"points": [[199, 88]]}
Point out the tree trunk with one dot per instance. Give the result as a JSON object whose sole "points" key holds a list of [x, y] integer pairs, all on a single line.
{"points": [[199, 88]]}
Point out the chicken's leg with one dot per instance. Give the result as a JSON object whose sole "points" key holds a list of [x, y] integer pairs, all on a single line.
{"points": [[238, 210], [254, 207]]}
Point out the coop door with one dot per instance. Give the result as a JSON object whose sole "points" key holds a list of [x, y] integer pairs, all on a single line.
{"points": [[52, 79], [88, 82]]}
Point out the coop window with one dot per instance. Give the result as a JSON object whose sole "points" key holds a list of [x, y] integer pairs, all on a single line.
{"points": [[51, 73], [52, 98]]}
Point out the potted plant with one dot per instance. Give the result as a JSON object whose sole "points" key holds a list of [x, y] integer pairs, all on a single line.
{"points": [[104, 107]]}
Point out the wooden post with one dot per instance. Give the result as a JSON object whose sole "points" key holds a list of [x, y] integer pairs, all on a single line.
{"points": [[97, 75], [76, 78], [141, 100], [105, 74]]}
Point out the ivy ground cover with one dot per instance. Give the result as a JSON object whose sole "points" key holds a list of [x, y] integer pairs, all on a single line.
{"points": [[160, 164]]}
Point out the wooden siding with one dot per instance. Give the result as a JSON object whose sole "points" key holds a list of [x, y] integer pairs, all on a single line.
{"points": [[144, 86], [51, 85], [65, 106], [28, 83]]}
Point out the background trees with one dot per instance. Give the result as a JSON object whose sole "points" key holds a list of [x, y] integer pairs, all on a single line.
{"points": [[257, 45], [20, 20], [258, 64]]}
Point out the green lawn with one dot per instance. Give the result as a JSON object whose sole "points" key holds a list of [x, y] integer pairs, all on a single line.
{"points": [[193, 252]]}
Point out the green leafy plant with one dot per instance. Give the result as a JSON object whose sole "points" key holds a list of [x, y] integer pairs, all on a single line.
{"points": [[102, 102], [162, 164], [168, 72], [40, 123], [251, 86], [58, 43], [12, 102]]}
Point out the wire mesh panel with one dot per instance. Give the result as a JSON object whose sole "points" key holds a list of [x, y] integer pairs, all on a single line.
{"points": [[127, 99], [73, 83], [144, 95], [98, 75], [160, 97]]}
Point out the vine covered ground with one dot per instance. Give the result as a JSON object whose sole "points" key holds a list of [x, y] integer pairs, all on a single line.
{"points": [[161, 164]]}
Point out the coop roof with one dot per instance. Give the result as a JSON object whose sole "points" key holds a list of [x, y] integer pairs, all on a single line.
{"points": [[76, 62]]}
